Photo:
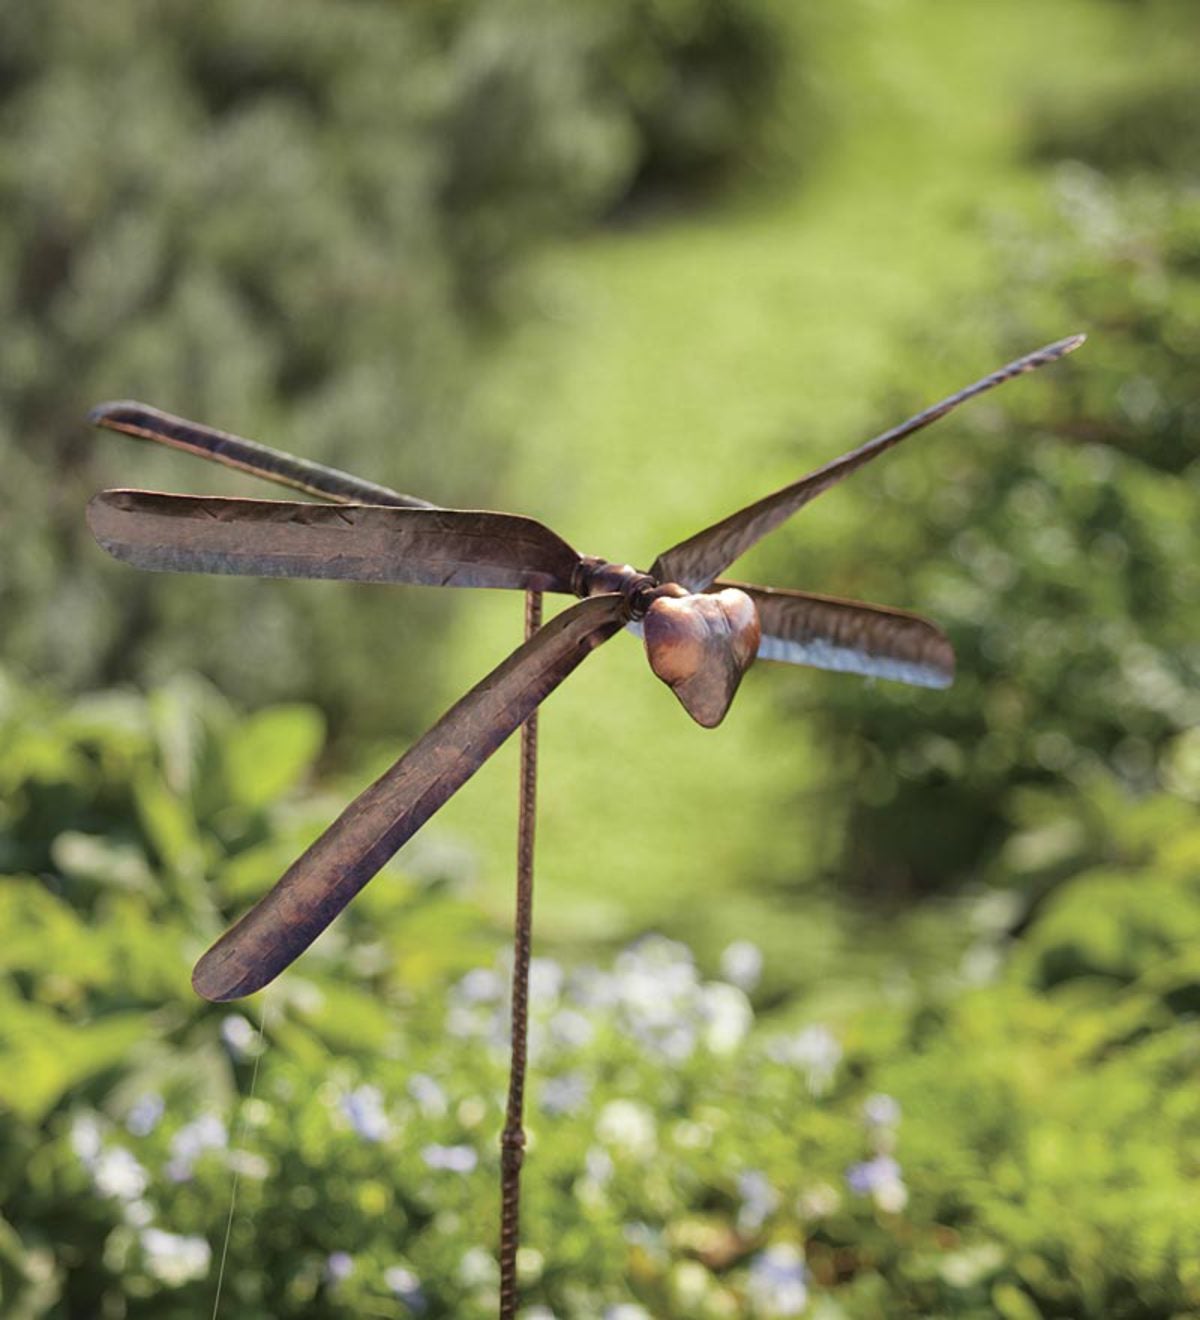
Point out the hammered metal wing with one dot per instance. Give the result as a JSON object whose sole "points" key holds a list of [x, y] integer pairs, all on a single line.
{"points": [[694, 563], [145, 423], [826, 632], [320, 883], [354, 542]]}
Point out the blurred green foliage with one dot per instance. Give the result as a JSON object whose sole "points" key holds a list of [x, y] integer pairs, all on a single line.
{"points": [[1020, 1141], [1058, 546], [970, 1090], [301, 221]]}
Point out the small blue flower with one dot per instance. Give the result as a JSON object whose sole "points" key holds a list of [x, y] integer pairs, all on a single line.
{"points": [[778, 1283], [339, 1266], [864, 1178], [452, 1159], [880, 1110], [364, 1108], [191, 1141], [144, 1115], [879, 1178], [428, 1094], [759, 1200], [564, 1095]]}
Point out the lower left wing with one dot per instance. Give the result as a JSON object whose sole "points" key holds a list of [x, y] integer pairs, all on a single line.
{"points": [[319, 884]]}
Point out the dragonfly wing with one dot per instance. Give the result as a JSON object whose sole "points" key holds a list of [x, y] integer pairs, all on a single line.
{"points": [[694, 563], [826, 632], [321, 882], [146, 423], [355, 542]]}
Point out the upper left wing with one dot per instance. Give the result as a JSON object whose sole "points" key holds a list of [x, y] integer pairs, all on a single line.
{"points": [[355, 542]]}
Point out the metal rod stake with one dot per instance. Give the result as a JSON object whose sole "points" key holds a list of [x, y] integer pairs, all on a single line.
{"points": [[512, 1140]]}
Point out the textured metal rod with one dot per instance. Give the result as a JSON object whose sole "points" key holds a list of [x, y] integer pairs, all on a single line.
{"points": [[512, 1140]]}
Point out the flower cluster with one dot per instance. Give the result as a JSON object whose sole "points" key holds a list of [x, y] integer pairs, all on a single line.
{"points": [[647, 1151], [879, 1176]]}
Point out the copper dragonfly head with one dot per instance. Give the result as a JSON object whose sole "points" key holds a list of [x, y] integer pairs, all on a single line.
{"points": [[699, 643], [701, 632]]}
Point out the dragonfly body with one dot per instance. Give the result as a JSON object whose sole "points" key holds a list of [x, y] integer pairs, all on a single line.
{"points": [[701, 633]]}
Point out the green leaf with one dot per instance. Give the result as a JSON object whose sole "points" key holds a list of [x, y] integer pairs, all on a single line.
{"points": [[42, 1056], [268, 753]]}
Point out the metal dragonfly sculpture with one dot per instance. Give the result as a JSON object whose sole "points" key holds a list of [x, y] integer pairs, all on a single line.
{"points": [[701, 633]]}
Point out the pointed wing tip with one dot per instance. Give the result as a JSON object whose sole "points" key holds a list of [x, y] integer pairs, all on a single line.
{"points": [[98, 514], [941, 679], [940, 664], [213, 979], [1061, 347], [102, 507], [117, 413]]}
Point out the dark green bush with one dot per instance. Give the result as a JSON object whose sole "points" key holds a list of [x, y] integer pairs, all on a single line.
{"points": [[687, 1160], [1060, 550]]}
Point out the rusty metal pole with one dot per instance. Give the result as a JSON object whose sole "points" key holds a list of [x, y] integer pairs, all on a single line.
{"points": [[512, 1140]]}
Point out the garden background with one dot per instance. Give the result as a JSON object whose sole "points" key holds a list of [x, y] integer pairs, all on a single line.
{"points": [[875, 1001]]}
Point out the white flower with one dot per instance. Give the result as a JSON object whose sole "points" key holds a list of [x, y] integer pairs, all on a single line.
{"points": [[570, 1028], [87, 1138], [139, 1213], [477, 1268], [891, 1197], [729, 1016], [814, 1051], [880, 1110], [481, 985], [545, 980], [116, 1173], [339, 1266], [174, 1259], [405, 1284], [742, 964], [598, 1165], [629, 1126], [819, 1202], [239, 1035]]}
